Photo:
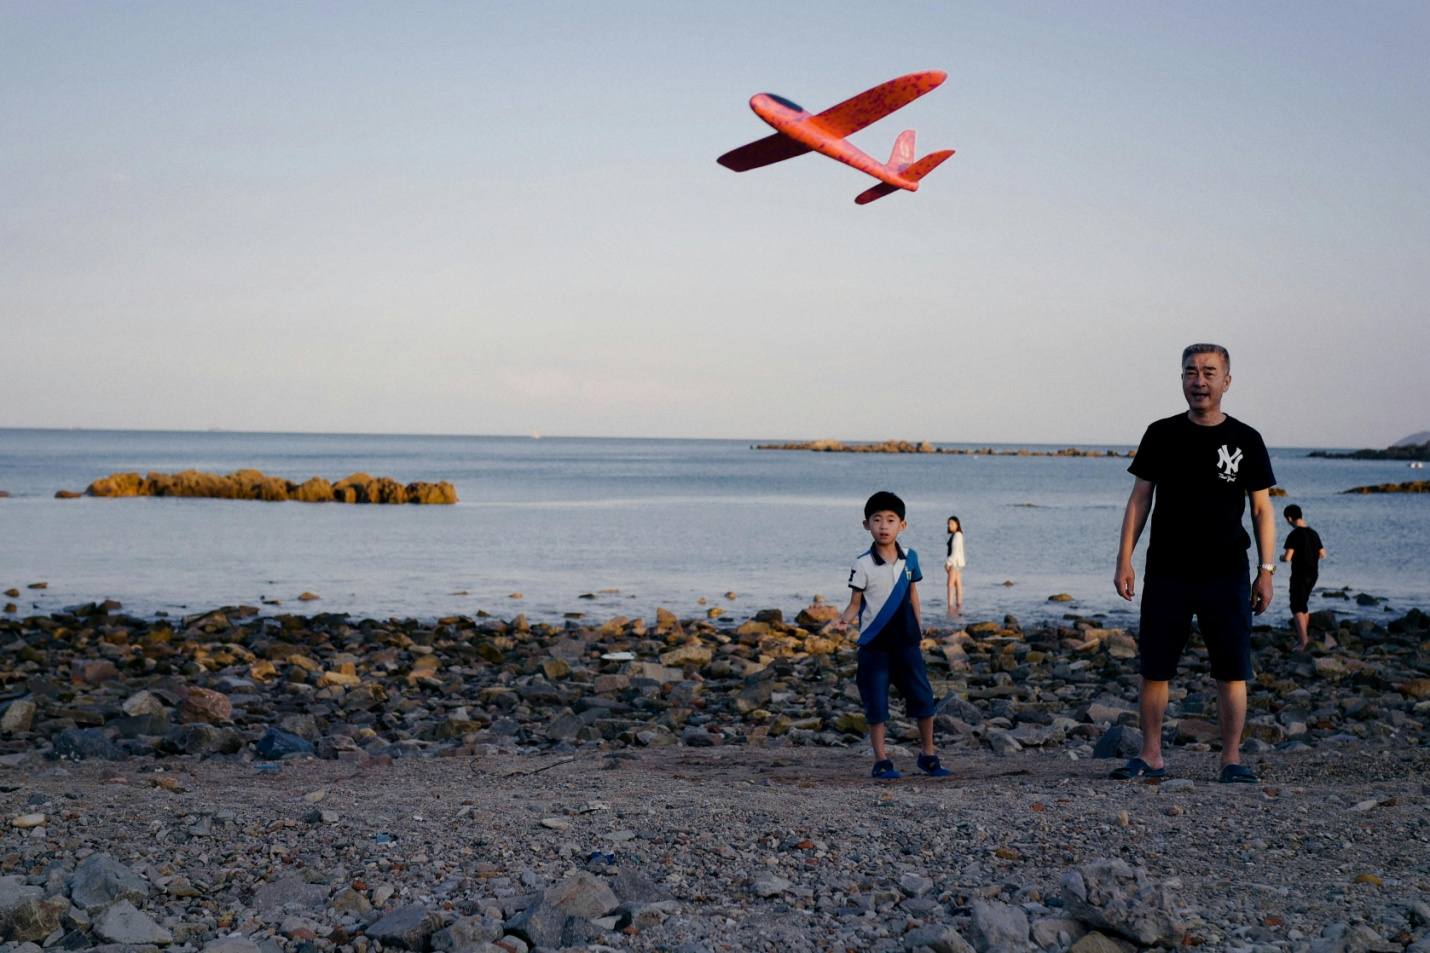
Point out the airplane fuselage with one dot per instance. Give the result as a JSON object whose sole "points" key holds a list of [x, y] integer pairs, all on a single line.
{"points": [[793, 121]]}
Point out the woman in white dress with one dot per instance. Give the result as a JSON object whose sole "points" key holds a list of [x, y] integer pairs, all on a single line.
{"points": [[954, 564]]}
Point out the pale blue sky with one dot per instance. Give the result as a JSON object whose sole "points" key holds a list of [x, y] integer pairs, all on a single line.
{"points": [[499, 216]]}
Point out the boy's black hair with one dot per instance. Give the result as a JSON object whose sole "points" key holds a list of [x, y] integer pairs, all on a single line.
{"points": [[1292, 512], [881, 501]]}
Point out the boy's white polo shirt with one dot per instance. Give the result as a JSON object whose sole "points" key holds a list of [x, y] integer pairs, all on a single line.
{"points": [[878, 580]]}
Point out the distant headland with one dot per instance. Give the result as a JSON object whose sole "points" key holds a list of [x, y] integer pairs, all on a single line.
{"points": [[1414, 447], [904, 446], [254, 485]]}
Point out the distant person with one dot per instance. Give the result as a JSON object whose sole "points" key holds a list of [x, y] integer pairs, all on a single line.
{"points": [[884, 581], [1304, 552], [1200, 466], [954, 564]]}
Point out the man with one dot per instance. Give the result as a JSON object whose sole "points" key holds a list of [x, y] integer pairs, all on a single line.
{"points": [[1200, 466], [1304, 552]]}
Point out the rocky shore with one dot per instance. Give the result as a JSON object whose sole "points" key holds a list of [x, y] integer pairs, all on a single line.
{"points": [[253, 485], [904, 446], [262, 784]]}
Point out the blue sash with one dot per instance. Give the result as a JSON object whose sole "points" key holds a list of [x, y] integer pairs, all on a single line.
{"points": [[891, 605]]}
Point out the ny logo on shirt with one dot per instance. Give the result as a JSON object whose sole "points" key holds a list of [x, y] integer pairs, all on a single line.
{"points": [[1228, 461]]}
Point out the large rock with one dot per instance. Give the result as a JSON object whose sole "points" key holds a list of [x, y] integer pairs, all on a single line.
{"points": [[961, 708], [143, 703], [17, 717], [582, 895], [26, 914], [696, 655], [408, 926], [999, 928], [939, 937], [1048, 932], [231, 944], [441, 493], [117, 484], [202, 739], [632, 886], [540, 924], [314, 490], [204, 705], [1120, 742], [290, 890], [817, 615], [1111, 895], [466, 933], [276, 744], [124, 923], [1359, 939], [100, 879], [79, 744]]}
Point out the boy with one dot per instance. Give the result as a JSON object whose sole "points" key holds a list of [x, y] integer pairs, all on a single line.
{"points": [[883, 581], [1304, 552]]}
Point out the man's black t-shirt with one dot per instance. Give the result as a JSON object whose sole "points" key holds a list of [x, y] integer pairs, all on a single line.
{"points": [[1201, 477], [1305, 546]]}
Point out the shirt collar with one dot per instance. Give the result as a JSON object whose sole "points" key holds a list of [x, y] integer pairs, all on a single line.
{"points": [[879, 561]]}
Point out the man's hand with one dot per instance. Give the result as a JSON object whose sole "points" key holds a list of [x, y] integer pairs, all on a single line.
{"points": [[1124, 580], [1261, 592]]}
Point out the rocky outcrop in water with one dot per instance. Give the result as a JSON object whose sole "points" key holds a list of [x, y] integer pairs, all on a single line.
{"points": [[1412, 486], [254, 485], [923, 446]]}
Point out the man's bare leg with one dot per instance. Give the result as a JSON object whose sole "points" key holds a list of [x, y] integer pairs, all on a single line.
{"points": [[1231, 717], [1152, 705], [1301, 621]]}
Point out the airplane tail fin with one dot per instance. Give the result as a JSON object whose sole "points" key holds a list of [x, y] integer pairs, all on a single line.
{"points": [[903, 155], [877, 192], [927, 164], [912, 172]]}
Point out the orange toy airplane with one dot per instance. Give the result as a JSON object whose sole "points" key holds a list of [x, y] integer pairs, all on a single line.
{"points": [[798, 132]]}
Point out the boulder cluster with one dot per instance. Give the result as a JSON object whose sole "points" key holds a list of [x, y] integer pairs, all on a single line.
{"points": [[254, 485], [93, 682]]}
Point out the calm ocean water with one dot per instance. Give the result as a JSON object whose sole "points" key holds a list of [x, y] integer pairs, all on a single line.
{"points": [[665, 522]]}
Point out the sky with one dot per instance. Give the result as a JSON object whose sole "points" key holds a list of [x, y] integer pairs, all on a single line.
{"points": [[500, 217]]}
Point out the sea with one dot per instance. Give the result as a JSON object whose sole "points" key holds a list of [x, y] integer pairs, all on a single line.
{"points": [[556, 527]]}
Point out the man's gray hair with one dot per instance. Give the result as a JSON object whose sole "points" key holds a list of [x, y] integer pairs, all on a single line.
{"points": [[1217, 349]]}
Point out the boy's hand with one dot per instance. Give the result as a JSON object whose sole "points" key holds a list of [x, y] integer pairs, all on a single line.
{"points": [[840, 626]]}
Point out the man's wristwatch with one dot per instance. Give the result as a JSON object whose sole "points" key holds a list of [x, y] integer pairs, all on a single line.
{"points": [[1268, 568]]}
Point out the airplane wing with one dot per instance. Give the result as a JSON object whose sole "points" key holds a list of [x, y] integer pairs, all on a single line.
{"points": [[874, 104], [766, 151]]}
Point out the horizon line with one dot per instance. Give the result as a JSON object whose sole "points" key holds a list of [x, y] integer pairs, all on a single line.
{"points": [[536, 436]]}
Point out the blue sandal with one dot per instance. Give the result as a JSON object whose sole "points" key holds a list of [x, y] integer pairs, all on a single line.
{"points": [[1238, 774], [928, 764], [1137, 768], [884, 771]]}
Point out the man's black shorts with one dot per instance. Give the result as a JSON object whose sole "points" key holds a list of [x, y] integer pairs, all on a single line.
{"points": [[1223, 611], [1301, 586]]}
